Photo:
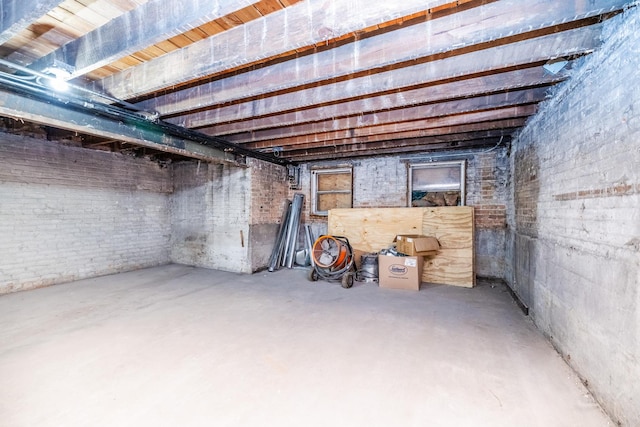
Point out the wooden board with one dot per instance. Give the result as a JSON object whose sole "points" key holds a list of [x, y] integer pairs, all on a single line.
{"points": [[454, 263], [452, 227], [373, 229], [450, 267]]}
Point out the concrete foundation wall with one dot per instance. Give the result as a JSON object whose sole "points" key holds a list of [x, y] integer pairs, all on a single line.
{"points": [[69, 213], [574, 230], [210, 211], [382, 182]]}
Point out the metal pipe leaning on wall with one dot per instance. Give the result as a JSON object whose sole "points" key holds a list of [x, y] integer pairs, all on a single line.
{"points": [[309, 241], [276, 253], [284, 249], [294, 226]]}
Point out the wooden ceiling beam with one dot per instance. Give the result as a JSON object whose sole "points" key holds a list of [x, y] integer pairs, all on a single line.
{"points": [[303, 24], [521, 54], [410, 130], [358, 145], [396, 147], [424, 149], [464, 88], [507, 126], [496, 115], [148, 24], [422, 112], [478, 28], [16, 15]]}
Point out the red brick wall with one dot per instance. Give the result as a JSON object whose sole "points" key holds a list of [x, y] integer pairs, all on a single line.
{"points": [[490, 216], [487, 185], [269, 189]]}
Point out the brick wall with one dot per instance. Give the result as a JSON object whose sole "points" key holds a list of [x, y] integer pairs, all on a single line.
{"points": [[574, 228], [488, 178], [69, 213], [488, 183], [382, 182], [269, 190]]}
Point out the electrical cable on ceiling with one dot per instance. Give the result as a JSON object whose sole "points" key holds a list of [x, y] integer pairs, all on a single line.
{"points": [[38, 75], [32, 85]]}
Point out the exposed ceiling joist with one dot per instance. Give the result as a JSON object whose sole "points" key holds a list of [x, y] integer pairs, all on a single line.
{"points": [[467, 88], [364, 146], [461, 106], [288, 148], [422, 145], [149, 24], [17, 15], [303, 24], [316, 79], [521, 54], [424, 42], [419, 128]]}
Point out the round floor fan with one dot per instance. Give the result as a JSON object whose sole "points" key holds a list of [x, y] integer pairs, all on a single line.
{"points": [[332, 260]]}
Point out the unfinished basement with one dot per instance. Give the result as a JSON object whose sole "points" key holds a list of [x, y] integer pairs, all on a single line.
{"points": [[314, 212]]}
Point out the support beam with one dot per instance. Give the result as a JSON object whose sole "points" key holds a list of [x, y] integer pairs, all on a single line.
{"points": [[311, 142], [451, 34], [401, 143], [303, 24], [16, 15], [521, 54], [520, 112], [471, 87], [52, 114], [351, 123], [401, 146], [145, 25]]}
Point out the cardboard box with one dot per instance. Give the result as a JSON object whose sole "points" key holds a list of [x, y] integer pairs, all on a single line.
{"points": [[400, 272], [416, 244]]}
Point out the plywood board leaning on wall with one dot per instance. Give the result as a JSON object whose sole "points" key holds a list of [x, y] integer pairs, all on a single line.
{"points": [[373, 229], [454, 262]]}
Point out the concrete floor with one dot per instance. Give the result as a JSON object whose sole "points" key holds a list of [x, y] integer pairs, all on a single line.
{"points": [[181, 346]]}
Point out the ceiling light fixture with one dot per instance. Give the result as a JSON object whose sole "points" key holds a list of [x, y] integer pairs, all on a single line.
{"points": [[61, 72], [58, 82]]}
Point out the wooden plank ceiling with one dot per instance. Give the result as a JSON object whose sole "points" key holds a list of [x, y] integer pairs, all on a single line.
{"points": [[310, 80]]}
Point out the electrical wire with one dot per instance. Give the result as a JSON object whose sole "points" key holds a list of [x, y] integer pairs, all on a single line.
{"points": [[32, 85]]}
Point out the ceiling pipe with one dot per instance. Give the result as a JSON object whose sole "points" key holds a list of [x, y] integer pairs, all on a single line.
{"points": [[49, 78], [34, 85]]}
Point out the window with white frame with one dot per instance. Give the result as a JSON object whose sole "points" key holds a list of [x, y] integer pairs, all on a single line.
{"points": [[331, 188], [437, 184]]}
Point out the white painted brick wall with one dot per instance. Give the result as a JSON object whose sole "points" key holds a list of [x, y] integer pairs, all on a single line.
{"points": [[380, 182], [68, 213], [578, 263]]}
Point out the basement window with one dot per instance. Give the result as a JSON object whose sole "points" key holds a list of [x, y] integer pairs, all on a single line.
{"points": [[437, 184], [330, 189]]}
